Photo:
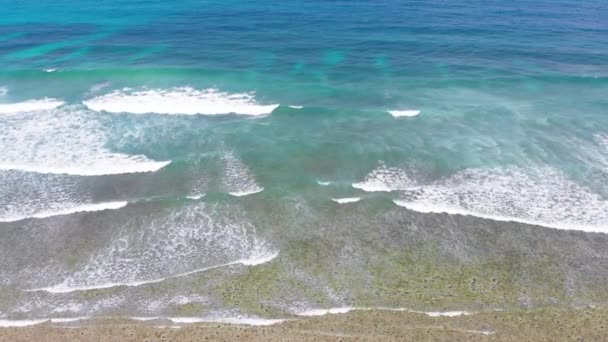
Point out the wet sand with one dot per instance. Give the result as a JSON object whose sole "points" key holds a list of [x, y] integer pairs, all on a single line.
{"points": [[550, 324]]}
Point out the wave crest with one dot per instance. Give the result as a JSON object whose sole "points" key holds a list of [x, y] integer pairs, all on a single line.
{"points": [[30, 105], [184, 100], [64, 141], [542, 197]]}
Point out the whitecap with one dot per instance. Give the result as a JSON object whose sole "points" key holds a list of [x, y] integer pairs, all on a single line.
{"points": [[296, 107], [195, 197], [105, 168], [322, 183], [184, 100], [539, 197], [76, 208], [402, 113], [386, 179], [50, 70], [30, 106], [246, 193], [346, 200], [64, 141]]}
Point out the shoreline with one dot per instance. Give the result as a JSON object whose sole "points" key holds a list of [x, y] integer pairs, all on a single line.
{"points": [[538, 324]]}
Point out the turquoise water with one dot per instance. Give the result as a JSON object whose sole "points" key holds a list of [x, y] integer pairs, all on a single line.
{"points": [[160, 151]]}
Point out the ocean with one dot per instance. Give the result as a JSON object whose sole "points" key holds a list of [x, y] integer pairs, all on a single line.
{"points": [[250, 162]]}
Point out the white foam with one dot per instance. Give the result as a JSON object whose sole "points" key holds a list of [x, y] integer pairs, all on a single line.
{"points": [[185, 100], [602, 139], [296, 107], [50, 70], [402, 113], [195, 197], [386, 179], [322, 183], [258, 259], [445, 313], [372, 186], [62, 288], [68, 320], [187, 320], [427, 313], [236, 178], [30, 106], [540, 197], [106, 168], [64, 141], [346, 309], [237, 320], [7, 323], [481, 332], [97, 87], [346, 200], [245, 193], [189, 240], [67, 211], [136, 318], [323, 312]]}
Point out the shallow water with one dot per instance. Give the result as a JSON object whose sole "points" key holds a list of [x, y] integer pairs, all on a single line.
{"points": [[229, 159]]}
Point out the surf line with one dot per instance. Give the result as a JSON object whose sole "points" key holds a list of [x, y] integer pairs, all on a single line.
{"points": [[61, 288]]}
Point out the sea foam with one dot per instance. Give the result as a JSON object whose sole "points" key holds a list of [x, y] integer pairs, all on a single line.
{"points": [[402, 113], [237, 179], [347, 309], [346, 200], [64, 141], [386, 179], [30, 106], [323, 312], [539, 196], [236, 320], [184, 100], [9, 323], [188, 240], [63, 288], [602, 139], [76, 208]]}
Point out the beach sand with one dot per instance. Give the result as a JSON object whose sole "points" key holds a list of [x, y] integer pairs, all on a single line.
{"points": [[549, 324]]}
